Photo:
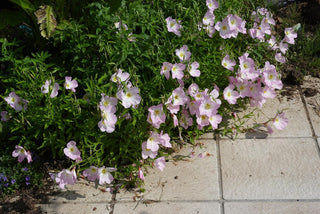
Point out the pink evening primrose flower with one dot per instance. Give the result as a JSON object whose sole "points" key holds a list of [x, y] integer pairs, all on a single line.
{"points": [[108, 103], [108, 121], [228, 63], [183, 53], [165, 70], [140, 174], [153, 142], [212, 4], [179, 96], [16, 102], [165, 140], [177, 71], [280, 121], [21, 153], [160, 163], [208, 18], [185, 119], [230, 95], [91, 173], [120, 76], [280, 58], [71, 84], [147, 152], [224, 29], [215, 120], [290, 35], [66, 177], [47, 87], [130, 97], [193, 69], [72, 151], [157, 115], [105, 175], [5, 116], [173, 26]]}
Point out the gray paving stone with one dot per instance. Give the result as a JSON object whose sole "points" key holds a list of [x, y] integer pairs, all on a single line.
{"points": [[311, 91], [82, 191], [272, 207], [292, 105], [190, 179], [270, 169], [75, 208], [168, 207]]}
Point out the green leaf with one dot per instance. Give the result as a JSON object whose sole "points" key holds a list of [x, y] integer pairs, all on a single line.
{"points": [[25, 5], [46, 20], [114, 5]]}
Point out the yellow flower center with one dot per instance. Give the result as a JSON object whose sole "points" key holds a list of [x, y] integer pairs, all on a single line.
{"points": [[129, 95], [224, 27]]}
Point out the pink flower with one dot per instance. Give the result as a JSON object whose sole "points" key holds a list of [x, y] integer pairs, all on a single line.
{"points": [[157, 116], [130, 97], [107, 124], [183, 53], [215, 120], [16, 102], [160, 163], [179, 97], [165, 140], [108, 103], [72, 151], [47, 87], [283, 47], [153, 142], [193, 69], [185, 119], [147, 152], [273, 43], [280, 121], [140, 174], [230, 95], [290, 35], [177, 71], [71, 84], [66, 177], [105, 175], [118, 76], [202, 121], [228, 63], [280, 58], [91, 173], [21, 153], [212, 4], [224, 29], [208, 107], [4, 116], [173, 26], [208, 18], [165, 70]]}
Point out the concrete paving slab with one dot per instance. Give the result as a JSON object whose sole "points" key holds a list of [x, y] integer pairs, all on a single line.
{"points": [[75, 208], [168, 207], [311, 92], [82, 191], [190, 179], [272, 207], [270, 169], [288, 100]]}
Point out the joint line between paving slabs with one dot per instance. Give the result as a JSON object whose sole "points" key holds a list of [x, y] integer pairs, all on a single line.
{"points": [[217, 138], [309, 119], [113, 201]]}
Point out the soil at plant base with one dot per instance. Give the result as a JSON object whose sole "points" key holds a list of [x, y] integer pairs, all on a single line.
{"points": [[25, 200], [306, 12]]}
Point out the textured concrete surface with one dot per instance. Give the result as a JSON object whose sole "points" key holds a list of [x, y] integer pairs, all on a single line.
{"points": [[188, 179], [168, 207]]}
